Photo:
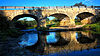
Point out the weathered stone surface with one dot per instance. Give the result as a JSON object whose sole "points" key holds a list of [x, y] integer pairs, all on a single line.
{"points": [[70, 12], [88, 20], [65, 22]]}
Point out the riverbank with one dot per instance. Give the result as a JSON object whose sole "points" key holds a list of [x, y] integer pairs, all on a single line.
{"points": [[95, 27]]}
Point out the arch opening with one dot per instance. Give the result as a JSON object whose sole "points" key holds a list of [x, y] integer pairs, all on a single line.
{"points": [[25, 21], [58, 20], [84, 18]]}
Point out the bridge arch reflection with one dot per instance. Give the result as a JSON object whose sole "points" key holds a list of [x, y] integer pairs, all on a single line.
{"points": [[65, 41], [84, 38]]}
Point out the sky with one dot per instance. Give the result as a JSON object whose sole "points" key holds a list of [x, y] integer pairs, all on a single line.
{"points": [[31, 19], [27, 18], [51, 18], [47, 2]]}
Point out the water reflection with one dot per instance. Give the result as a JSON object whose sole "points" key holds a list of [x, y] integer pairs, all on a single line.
{"points": [[51, 38], [57, 41], [28, 39], [83, 37]]}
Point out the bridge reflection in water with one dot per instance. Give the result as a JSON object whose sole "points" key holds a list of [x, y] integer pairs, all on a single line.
{"points": [[53, 42]]}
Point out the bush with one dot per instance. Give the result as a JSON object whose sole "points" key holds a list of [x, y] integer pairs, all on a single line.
{"points": [[42, 28], [4, 23], [94, 27], [78, 23]]}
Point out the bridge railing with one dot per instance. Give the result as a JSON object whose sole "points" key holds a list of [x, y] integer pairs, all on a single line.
{"points": [[49, 7], [20, 8], [59, 7]]}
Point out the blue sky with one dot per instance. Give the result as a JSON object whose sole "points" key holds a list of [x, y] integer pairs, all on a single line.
{"points": [[27, 18], [31, 19], [47, 2], [51, 18]]}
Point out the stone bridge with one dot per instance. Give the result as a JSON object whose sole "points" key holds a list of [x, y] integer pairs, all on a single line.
{"points": [[65, 14]]}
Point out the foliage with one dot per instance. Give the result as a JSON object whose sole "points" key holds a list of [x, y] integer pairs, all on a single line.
{"points": [[42, 28], [94, 27], [53, 23], [11, 32], [4, 23], [79, 4], [31, 27], [47, 19], [23, 24], [5, 29], [56, 24], [78, 23]]}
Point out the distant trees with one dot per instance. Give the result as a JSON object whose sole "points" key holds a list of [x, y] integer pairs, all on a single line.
{"points": [[53, 23], [79, 4], [23, 24]]}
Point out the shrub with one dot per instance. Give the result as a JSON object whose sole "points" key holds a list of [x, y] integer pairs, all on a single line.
{"points": [[42, 28], [78, 23]]}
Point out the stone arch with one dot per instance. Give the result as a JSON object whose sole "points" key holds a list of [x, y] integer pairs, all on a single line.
{"points": [[25, 15], [85, 17], [59, 14], [62, 18]]}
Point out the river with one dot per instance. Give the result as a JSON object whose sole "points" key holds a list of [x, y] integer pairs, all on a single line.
{"points": [[64, 43]]}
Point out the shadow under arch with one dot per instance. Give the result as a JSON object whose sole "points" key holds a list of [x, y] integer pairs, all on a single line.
{"points": [[61, 15], [62, 18], [84, 15], [25, 15]]}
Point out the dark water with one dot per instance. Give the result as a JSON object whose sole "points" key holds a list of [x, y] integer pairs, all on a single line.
{"points": [[68, 43]]}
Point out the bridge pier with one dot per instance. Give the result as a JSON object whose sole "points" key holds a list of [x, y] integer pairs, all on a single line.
{"points": [[72, 22]]}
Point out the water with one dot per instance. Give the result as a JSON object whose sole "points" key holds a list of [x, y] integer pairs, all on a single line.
{"points": [[67, 43], [62, 43]]}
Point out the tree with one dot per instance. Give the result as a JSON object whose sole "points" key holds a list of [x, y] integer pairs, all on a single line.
{"points": [[4, 22], [79, 4]]}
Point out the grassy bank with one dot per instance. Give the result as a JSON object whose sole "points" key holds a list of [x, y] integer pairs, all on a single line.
{"points": [[95, 27]]}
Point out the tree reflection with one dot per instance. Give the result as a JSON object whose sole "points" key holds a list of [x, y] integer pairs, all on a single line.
{"points": [[84, 39], [59, 41]]}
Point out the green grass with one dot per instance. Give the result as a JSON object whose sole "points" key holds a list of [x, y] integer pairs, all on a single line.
{"points": [[78, 23], [32, 27], [94, 27]]}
